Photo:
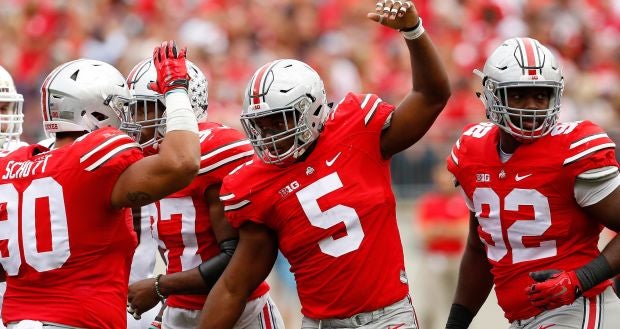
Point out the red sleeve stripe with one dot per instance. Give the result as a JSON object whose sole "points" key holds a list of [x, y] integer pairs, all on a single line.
{"points": [[588, 139], [105, 144], [224, 148], [372, 111], [588, 151], [225, 161], [110, 154], [237, 206]]}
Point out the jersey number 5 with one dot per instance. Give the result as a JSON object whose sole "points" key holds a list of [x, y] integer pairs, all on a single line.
{"points": [[42, 208], [308, 197]]}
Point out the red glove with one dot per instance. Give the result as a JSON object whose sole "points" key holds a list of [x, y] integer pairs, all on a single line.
{"points": [[554, 290], [171, 68]]}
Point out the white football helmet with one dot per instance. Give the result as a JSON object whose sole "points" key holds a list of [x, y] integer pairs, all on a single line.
{"points": [[144, 73], [521, 62], [84, 95], [286, 88], [11, 111]]}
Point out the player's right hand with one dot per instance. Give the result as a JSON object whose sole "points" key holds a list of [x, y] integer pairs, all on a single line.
{"points": [[553, 289], [171, 68], [141, 296]]}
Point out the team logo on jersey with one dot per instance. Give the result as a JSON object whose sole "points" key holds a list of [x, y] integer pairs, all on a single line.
{"points": [[483, 178], [502, 174], [309, 171], [289, 188]]}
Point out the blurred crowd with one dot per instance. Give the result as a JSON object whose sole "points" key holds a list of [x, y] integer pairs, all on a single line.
{"points": [[230, 39]]}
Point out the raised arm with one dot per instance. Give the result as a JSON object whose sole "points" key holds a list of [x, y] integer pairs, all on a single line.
{"points": [[430, 90], [177, 162], [475, 281]]}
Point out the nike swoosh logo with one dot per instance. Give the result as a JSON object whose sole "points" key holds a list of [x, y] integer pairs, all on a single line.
{"points": [[395, 326], [547, 326], [562, 292], [330, 163], [518, 178]]}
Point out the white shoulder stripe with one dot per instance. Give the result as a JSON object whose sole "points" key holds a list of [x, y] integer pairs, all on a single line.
{"points": [[588, 151], [237, 205], [110, 155], [225, 161], [458, 144], [227, 197], [365, 101], [240, 166], [587, 139], [103, 145], [454, 158], [224, 148], [371, 113]]}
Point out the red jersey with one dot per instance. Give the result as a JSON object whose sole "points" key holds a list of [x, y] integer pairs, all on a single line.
{"points": [[183, 228], [527, 214], [65, 250], [334, 213]]}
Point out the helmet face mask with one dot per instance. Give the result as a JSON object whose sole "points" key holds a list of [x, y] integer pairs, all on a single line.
{"points": [[149, 113], [11, 111], [514, 67], [284, 109], [84, 95]]}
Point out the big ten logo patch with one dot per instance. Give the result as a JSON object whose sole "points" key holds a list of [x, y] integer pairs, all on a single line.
{"points": [[483, 178], [289, 188]]}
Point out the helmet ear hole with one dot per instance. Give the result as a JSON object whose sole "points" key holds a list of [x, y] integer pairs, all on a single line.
{"points": [[99, 116]]}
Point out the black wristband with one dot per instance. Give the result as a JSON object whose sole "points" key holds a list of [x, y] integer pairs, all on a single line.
{"points": [[409, 29], [460, 317], [593, 273], [211, 269]]}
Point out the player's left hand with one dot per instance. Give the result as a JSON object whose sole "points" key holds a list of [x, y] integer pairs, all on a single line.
{"points": [[554, 289], [397, 14], [142, 296]]}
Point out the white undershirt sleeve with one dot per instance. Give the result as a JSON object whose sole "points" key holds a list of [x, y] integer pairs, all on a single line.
{"points": [[589, 192]]}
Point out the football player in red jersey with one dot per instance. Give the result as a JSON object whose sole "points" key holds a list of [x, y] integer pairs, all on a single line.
{"points": [[190, 225], [319, 188], [67, 242], [11, 114], [11, 119], [539, 193]]}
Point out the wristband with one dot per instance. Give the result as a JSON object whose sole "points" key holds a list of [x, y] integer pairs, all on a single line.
{"points": [[459, 318], [593, 273], [179, 113], [157, 291], [413, 32]]}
